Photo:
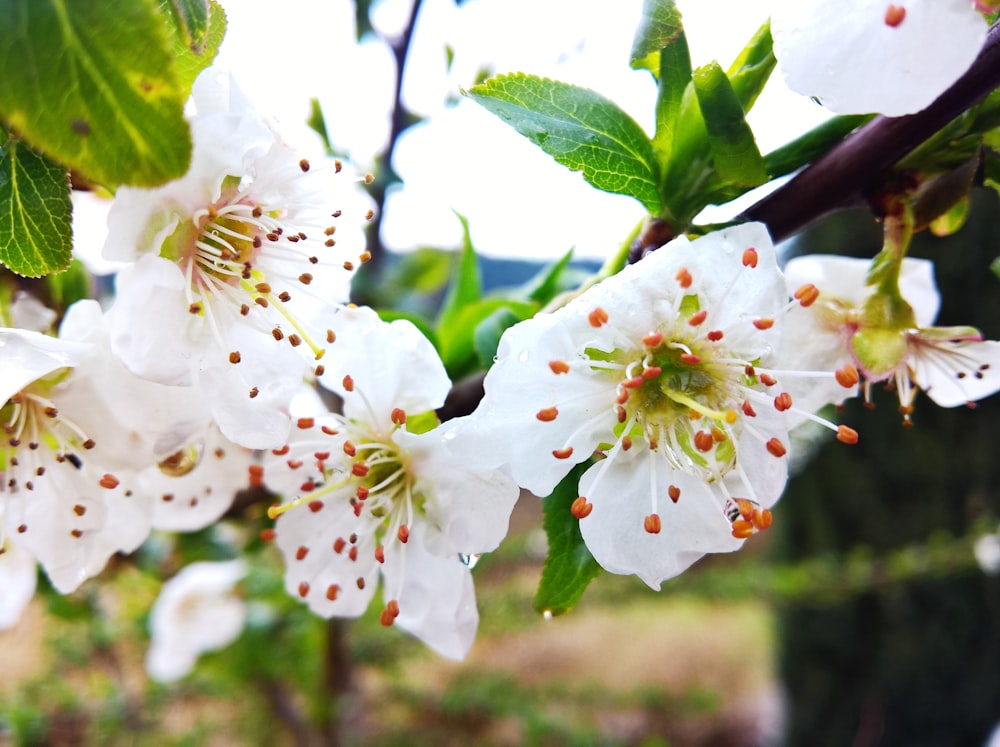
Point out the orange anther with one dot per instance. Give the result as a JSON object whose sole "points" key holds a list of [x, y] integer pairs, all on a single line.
{"points": [[304, 589], [762, 519], [764, 323], [652, 372], [894, 15], [807, 294], [315, 506], [332, 591], [559, 367], [742, 529], [783, 402], [652, 339], [622, 414], [280, 452], [339, 544], [634, 383], [748, 409], [267, 535], [598, 317], [745, 507], [301, 553], [698, 318], [776, 448], [563, 453], [362, 493], [690, 358], [718, 435], [398, 416], [703, 441], [846, 434], [652, 524], [547, 415], [715, 335], [256, 475], [386, 618], [348, 383], [674, 492], [109, 481], [626, 443], [305, 423], [684, 278], [581, 508], [750, 257], [403, 534], [380, 554], [360, 469], [847, 376], [349, 448]]}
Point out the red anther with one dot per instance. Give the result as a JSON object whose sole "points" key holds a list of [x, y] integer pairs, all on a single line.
{"points": [[622, 414], [762, 519], [622, 397], [304, 589], [698, 318], [563, 453], [362, 493], [634, 383], [321, 456], [315, 506], [398, 416], [745, 507], [750, 257], [301, 553], [280, 452], [690, 358], [328, 430], [353, 553], [403, 535], [652, 524], [674, 492], [348, 383], [776, 448], [715, 335], [277, 334], [807, 294], [294, 463], [109, 481], [652, 372], [718, 435], [332, 591], [256, 475], [847, 376], [846, 434], [380, 553], [360, 582], [305, 423], [750, 371], [307, 487], [783, 402], [768, 380], [748, 409], [743, 529], [339, 544], [652, 339], [598, 317], [234, 357], [894, 15], [393, 607], [581, 508], [267, 535], [356, 506], [684, 278], [703, 441], [626, 443], [547, 415], [559, 367], [350, 449], [360, 469], [764, 323], [386, 617], [305, 278]]}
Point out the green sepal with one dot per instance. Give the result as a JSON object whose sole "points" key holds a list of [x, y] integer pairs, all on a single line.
{"points": [[879, 350], [569, 567], [422, 422], [752, 69], [93, 86], [36, 236], [578, 127]]}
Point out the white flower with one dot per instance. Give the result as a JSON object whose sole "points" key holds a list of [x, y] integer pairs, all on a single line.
{"points": [[76, 427], [196, 612], [373, 497], [232, 264], [666, 370], [888, 56], [18, 577], [953, 365]]}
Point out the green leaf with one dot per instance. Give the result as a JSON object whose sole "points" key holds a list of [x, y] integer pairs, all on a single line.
{"points": [[675, 78], [753, 67], [659, 28], [579, 128], [810, 146], [36, 237], [466, 286], [66, 288], [391, 315], [546, 284], [189, 60], [457, 347], [192, 20], [317, 122], [951, 220], [489, 331], [92, 85], [734, 150], [569, 566]]}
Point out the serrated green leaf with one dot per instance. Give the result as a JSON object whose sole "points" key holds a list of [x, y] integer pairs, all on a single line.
{"points": [[734, 149], [466, 285], [488, 332], [36, 237], [190, 60], [578, 127], [674, 79], [192, 19], [92, 85], [569, 566], [659, 28], [751, 70], [810, 146]]}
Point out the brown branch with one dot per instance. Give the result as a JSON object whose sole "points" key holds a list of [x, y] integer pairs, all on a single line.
{"points": [[856, 167]]}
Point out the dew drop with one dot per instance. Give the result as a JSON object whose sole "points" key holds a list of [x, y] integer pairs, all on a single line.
{"points": [[469, 560], [183, 461], [523, 356]]}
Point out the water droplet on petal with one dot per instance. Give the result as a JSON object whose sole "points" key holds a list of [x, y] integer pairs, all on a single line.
{"points": [[523, 357], [469, 560], [181, 462]]}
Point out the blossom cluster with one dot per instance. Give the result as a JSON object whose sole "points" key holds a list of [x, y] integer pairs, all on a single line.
{"points": [[231, 360]]}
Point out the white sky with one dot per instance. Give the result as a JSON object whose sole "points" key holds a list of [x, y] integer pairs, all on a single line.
{"points": [[462, 158]]}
